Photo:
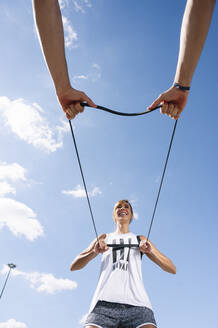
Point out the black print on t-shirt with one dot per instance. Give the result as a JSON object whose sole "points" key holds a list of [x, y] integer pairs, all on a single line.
{"points": [[120, 257]]}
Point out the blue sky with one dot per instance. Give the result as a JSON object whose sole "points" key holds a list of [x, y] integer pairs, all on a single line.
{"points": [[122, 54]]}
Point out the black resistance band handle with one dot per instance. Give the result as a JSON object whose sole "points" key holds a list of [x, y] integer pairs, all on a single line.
{"points": [[119, 246], [84, 104]]}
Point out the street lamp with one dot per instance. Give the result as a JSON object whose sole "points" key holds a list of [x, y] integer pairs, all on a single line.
{"points": [[11, 266]]}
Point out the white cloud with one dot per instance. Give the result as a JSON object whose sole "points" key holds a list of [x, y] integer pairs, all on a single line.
{"points": [[43, 282], [12, 323], [28, 124], [79, 192], [96, 66], [79, 5], [88, 3], [19, 218], [61, 129], [95, 191], [63, 3], [13, 172], [6, 188], [49, 284], [135, 215], [71, 36], [93, 75], [79, 77]]}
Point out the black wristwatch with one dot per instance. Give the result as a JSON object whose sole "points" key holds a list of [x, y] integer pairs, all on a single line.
{"points": [[181, 87]]}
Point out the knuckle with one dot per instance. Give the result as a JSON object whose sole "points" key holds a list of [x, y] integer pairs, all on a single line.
{"points": [[83, 94]]}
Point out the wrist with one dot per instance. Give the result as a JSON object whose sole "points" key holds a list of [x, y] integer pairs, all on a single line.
{"points": [[181, 87], [94, 253], [183, 76], [62, 88]]}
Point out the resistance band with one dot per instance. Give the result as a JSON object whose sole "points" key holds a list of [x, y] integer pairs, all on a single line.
{"points": [[84, 104], [84, 183]]}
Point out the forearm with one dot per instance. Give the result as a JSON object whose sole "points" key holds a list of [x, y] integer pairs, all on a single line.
{"points": [[50, 28], [83, 259], [195, 26], [164, 262]]}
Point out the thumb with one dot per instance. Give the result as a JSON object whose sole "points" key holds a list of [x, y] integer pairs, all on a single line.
{"points": [[102, 236]]}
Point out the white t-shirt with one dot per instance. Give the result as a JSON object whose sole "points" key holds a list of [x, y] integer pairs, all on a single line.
{"points": [[120, 278]]}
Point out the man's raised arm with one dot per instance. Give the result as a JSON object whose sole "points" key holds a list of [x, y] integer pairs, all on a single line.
{"points": [[50, 29], [195, 26]]}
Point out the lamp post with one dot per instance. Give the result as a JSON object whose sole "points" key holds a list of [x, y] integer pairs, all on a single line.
{"points": [[11, 266]]}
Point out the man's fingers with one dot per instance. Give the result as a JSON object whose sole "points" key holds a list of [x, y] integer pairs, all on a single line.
{"points": [[78, 108], [143, 244], [156, 102], [69, 114], [164, 108], [73, 109], [176, 113], [173, 111], [102, 246], [177, 116], [100, 243], [170, 109]]}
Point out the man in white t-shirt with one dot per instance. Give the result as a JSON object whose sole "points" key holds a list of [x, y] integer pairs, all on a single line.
{"points": [[120, 299]]}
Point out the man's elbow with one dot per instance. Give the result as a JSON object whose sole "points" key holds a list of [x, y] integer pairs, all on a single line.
{"points": [[173, 270], [170, 269], [74, 267]]}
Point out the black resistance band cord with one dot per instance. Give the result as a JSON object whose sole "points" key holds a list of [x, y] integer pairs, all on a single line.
{"points": [[162, 178]]}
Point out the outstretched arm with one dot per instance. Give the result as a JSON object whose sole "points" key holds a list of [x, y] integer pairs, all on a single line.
{"points": [[50, 29], [90, 253], [195, 26], [146, 247]]}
